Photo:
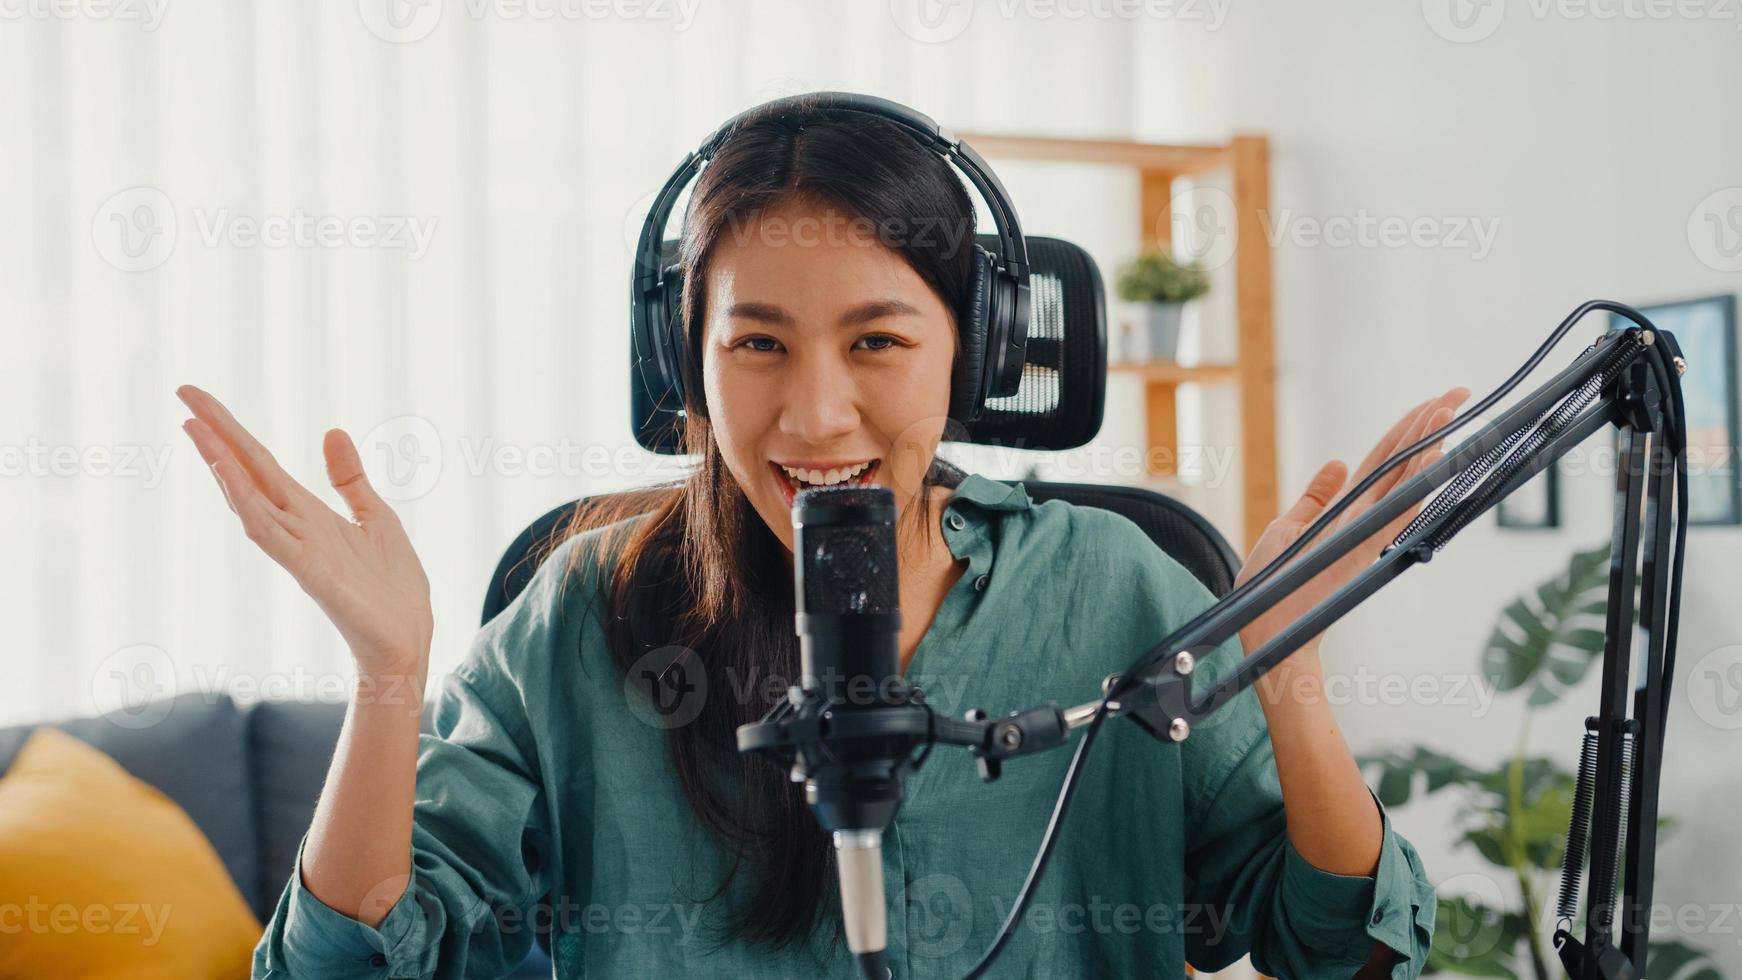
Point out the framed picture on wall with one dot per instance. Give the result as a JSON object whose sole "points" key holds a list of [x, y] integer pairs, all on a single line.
{"points": [[1536, 504], [1706, 331]]}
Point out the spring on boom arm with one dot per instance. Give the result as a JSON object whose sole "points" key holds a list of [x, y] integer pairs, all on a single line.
{"points": [[1603, 880], [1533, 436]]}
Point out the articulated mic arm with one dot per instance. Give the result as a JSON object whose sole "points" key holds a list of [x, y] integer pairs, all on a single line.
{"points": [[1628, 378]]}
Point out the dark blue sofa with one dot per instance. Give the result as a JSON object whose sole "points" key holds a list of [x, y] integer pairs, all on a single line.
{"points": [[248, 775]]}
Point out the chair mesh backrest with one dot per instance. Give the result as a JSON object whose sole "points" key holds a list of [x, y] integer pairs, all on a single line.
{"points": [[1064, 378], [1175, 528], [1182, 532]]}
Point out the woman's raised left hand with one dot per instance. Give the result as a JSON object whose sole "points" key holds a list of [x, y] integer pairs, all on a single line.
{"points": [[1327, 487]]}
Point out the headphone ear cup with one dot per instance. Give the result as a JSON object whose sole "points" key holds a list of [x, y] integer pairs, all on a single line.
{"points": [[670, 313], [968, 384]]}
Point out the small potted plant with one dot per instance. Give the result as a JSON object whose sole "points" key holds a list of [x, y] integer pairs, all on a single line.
{"points": [[1164, 286]]}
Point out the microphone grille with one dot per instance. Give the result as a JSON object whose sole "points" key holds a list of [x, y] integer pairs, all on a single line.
{"points": [[845, 540]]}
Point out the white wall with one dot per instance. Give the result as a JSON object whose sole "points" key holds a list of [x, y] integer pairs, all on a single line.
{"points": [[1591, 143]]}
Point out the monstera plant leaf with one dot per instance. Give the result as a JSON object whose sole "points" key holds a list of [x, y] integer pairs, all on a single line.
{"points": [[1516, 815], [1534, 825], [1546, 640], [1395, 773]]}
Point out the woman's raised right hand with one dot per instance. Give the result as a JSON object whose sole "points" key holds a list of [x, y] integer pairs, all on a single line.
{"points": [[361, 571]]}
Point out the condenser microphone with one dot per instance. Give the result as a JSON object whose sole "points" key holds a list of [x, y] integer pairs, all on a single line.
{"points": [[846, 585]]}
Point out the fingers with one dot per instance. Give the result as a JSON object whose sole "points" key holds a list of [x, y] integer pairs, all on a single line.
{"points": [[276, 484], [1415, 425], [345, 470], [1388, 442], [213, 451], [1427, 457], [1421, 461], [1319, 493], [1433, 418], [261, 520]]}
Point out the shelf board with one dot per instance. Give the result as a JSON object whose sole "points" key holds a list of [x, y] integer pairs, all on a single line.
{"points": [[1172, 372], [1246, 159], [1168, 158]]}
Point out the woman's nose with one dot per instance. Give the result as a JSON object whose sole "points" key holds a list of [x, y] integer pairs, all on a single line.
{"points": [[820, 403]]}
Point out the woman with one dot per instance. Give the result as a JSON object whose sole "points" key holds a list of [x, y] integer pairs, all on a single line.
{"points": [[554, 801]]}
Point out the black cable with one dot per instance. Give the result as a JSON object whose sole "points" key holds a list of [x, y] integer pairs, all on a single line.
{"points": [[1129, 677], [1044, 855], [1676, 428]]}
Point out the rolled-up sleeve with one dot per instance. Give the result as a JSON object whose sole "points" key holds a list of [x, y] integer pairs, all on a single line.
{"points": [[1395, 905], [308, 938], [482, 846], [1295, 919]]}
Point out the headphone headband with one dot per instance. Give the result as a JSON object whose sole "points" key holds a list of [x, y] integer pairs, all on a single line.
{"points": [[1013, 253]]}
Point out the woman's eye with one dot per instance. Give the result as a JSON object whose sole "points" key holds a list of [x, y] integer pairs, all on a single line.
{"points": [[768, 345]]}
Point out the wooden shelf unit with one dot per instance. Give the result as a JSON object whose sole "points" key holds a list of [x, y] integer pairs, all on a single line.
{"points": [[1246, 158]]}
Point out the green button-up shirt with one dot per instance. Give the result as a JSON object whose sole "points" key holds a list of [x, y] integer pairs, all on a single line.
{"points": [[547, 802]]}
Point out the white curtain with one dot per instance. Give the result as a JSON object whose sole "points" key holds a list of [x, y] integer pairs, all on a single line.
{"points": [[407, 219]]}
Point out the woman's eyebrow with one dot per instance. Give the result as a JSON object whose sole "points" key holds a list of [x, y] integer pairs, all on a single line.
{"points": [[863, 313], [875, 310]]}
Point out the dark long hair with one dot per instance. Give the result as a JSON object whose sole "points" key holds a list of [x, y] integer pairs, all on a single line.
{"points": [[703, 571]]}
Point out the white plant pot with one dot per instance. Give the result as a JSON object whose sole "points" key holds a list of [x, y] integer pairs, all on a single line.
{"points": [[1163, 320]]}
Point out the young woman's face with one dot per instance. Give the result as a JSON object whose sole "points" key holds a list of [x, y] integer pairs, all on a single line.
{"points": [[827, 359]]}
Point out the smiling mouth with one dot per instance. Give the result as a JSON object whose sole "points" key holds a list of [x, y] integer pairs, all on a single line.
{"points": [[791, 480]]}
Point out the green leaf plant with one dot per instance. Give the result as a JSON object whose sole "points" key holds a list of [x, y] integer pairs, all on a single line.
{"points": [[1154, 277], [1515, 816]]}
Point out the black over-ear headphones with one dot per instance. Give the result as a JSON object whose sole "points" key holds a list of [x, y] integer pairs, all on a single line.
{"points": [[993, 327]]}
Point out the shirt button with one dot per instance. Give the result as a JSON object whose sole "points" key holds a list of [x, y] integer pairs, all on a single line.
{"points": [[981, 583], [1378, 915], [378, 960], [955, 521]]}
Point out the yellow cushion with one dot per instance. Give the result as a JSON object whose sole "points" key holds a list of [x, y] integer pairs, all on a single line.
{"points": [[102, 876]]}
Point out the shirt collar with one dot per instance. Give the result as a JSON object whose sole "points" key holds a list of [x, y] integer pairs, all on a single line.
{"points": [[990, 494]]}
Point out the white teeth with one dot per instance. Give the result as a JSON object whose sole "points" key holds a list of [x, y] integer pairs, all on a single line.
{"points": [[827, 478]]}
